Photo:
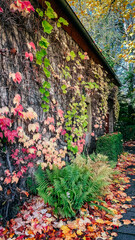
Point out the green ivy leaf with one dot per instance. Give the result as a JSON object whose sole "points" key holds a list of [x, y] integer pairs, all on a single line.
{"points": [[64, 87], [43, 105], [46, 108], [74, 149], [58, 25], [91, 85], [64, 91], [44, 43], [62, 20], [96, 85], [39, 55], [42, 90], [46, 62], [45, 99], [47, 73], [69, 128], [73, 55], [68, 58], [46, 84], [81, 55], [40, 12], [50, 12], [47, 94], [66, 67], [47, 27]]}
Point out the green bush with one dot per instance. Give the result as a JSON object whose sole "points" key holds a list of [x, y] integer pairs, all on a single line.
{"points": [[129, 133], [110, 145], [66, 189]]}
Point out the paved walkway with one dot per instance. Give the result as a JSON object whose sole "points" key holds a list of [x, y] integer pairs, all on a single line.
{"points": [[127, 232]]}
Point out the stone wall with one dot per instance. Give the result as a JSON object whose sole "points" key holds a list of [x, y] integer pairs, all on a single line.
{"points": [[16, 32]]}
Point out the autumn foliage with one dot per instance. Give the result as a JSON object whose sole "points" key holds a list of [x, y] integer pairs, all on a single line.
{"points": [[37, 221], [26, 144]]}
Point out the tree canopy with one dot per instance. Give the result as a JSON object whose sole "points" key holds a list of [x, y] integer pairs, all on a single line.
{"points": [[111, 24]]}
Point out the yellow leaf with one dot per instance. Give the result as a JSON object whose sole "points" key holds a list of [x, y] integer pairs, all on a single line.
{"points": [[65, 229], [43, 165], [38, 153], [15, 179], [79, 232], [100, 221], [36, 136]]}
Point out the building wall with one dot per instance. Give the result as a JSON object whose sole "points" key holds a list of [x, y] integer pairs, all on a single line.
{"points": [[16, 32]]}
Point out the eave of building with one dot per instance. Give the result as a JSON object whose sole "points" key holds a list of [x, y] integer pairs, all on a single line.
{"points": [[80, 35]]}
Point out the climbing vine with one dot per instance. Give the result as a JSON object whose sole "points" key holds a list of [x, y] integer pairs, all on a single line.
{"points": [[64, 89], [116, 104], [75, 123]]}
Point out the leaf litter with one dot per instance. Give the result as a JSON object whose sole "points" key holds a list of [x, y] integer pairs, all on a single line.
{"points": [[37, 221]]}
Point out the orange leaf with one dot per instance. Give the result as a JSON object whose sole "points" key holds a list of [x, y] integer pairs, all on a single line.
{"points": [[11, 235], [91, 229], [26, 193], [8, 191], [126, 222], [30, 232], [7, 180], [129, 199]]}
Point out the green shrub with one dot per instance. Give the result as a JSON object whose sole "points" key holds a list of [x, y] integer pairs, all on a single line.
{"points": [[110, 145], [66, 189], [129, 133]]}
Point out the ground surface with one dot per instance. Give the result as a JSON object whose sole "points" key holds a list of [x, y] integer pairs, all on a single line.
{"points": [[36, 220]]}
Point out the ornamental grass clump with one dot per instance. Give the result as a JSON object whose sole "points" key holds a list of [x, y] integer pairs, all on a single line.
{"points": [[100, 171]]}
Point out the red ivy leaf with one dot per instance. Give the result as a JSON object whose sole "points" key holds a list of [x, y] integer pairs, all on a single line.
{"points": [[1, 135], [1, 10], [18, 77], [19, 174], [29, 55], [30, 164], [32, 45]]}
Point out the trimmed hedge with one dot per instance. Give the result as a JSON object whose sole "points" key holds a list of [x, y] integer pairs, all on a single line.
{"points": [[129, 133], [110, 145]]}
